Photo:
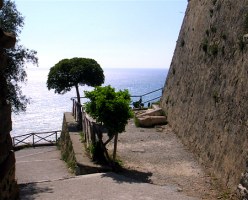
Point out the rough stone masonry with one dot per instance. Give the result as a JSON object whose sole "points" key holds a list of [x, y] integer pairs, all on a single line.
{"points": [[8, 185], [206, 91]]}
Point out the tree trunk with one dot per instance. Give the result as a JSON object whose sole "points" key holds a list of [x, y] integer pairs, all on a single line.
{"points": [[79, 110], [78, 94], [115, 146]]}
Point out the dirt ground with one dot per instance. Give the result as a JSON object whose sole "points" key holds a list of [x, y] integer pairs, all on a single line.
{"points": [[157, 156]]}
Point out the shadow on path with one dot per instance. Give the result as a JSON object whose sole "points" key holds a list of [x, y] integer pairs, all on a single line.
{"points": [[129, 176], [30, 191]]}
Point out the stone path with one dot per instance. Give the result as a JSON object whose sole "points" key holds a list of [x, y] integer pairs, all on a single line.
{"points": [[42, 175], [40, 164], [157, 156]]}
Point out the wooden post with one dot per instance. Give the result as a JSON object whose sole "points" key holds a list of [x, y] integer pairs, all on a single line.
{"points": [[13, 141], [115, 146], [56, 136], [72, 107], [33, 139]]}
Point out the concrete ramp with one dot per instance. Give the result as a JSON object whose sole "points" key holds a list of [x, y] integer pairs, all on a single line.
{"points": [[41, 174], [109, 186]]}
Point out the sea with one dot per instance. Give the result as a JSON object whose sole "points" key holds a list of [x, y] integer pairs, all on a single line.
{"points": [[45, 111]]}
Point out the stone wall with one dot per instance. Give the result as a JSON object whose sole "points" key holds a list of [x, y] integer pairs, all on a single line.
{"points": [[206, 95], [65, 143], [8, 184]]}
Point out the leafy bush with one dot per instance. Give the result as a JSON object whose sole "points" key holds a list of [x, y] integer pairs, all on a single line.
{"points": [[246, 23], [241, 44], [213, 49], [213, 29], [109, 107], [204, 45], [214, 2]]}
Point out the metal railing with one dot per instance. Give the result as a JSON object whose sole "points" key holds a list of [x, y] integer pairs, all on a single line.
{"points": [[146, 98], [77, 108], [36, 139]]}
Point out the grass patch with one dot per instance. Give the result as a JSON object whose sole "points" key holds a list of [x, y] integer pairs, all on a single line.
{"points": [[216, 97], [241, 44], [214, 2], [82, 137], [136, 121], [91, 149]]}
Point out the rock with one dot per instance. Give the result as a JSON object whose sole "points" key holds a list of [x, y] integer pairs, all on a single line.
{"points": [[150, 121], [152, 112]]}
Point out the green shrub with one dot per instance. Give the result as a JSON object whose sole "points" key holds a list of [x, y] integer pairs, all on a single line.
{"points": [[218, 7], [136, 122], [182, 43], [216, 96], [213, 49], [110, 108], [211, 11], [213, 29], [207, 32], [223, 50], [246, 23], [92, 149], [205, 45], [241, 44], [223, 36], [214, 2]]}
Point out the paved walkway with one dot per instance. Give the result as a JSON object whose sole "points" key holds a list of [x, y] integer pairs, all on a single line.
{"points": [[42, 175], [40, 164]]}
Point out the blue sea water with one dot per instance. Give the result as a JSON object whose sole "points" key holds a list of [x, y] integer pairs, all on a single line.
{"points": [[45, 111]]}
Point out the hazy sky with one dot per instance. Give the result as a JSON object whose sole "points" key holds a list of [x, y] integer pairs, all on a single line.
{"points": [[116, 33]]}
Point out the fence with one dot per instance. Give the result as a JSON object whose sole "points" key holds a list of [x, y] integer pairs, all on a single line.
{"points": [[147, 97], [144, 98], [36, 139], [93, 132]]}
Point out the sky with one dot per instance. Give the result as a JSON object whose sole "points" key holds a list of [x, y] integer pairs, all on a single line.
{"points": [[116, 33]]}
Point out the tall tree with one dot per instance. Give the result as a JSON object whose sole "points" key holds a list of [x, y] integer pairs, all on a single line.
{"points": [[11, 20], [69, 73]]}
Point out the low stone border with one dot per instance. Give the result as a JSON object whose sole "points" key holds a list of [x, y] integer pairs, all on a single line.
{"points": [[73, 150]]}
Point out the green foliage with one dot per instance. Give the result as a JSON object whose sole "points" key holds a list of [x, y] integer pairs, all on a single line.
{"points": [[173, 71], [12, 21], [223, 50], [241, 44], [91, 149], [182, 43], [136, 122], [73, 72], [216, 96], [213, 29], [218, 6], [223, 36], [82, 137], [214, 2], [205, 45], [211, 11], [109, 107], [246, 23], [213, 49], [207, 32]]}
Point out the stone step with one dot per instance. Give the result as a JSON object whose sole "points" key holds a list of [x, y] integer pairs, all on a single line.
{"points": [[151, 112], [150, 121]]}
